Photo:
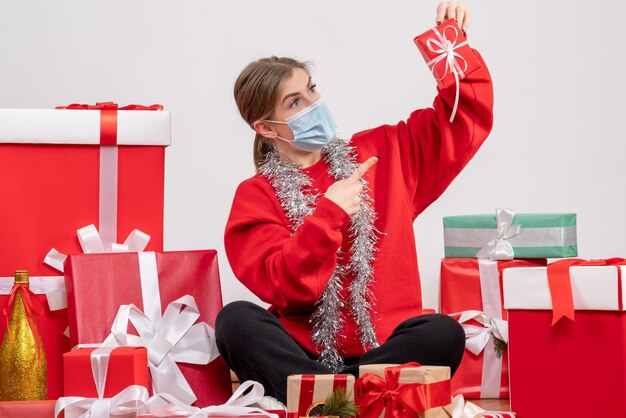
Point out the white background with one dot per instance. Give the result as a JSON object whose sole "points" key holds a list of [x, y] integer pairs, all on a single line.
{"points": [[558, 70]]}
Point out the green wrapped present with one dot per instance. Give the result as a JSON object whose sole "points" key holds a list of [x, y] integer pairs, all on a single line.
{"points": [[508, 235]]}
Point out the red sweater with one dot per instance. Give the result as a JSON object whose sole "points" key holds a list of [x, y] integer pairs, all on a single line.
{"points": [[419, 158]]}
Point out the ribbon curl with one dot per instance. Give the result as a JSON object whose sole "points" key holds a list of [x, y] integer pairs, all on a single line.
{"points": [[166, 405], [169, 339], [499, 248], [109, 106], [445, 50]]}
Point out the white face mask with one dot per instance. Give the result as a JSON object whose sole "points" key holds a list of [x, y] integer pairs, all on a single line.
{"points": [[313, 127]]}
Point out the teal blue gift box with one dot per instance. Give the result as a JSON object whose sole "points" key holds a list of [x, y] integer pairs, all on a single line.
{"points": [[507, 235]]}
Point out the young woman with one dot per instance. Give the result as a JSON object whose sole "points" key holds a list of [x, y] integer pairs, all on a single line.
{"points": [[324, 231]]}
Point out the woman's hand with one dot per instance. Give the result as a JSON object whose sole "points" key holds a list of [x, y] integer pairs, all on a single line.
{"points": [[454, 10], [345, 193]]}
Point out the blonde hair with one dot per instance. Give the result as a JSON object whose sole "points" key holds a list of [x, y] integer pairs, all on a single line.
{"points": [[256, 93]]}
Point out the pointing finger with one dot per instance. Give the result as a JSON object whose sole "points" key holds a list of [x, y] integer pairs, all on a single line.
{"points": [[362, 169]]}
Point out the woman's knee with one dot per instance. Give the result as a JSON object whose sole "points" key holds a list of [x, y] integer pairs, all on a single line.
{"points": [[452, 331], [441, 330], [234, 317]]}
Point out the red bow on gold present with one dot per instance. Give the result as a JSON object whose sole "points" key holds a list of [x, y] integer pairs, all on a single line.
{"points": [[404, 400]]}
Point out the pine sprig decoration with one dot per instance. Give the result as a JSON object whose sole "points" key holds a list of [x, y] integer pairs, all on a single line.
{"points": [[498, 346], [339, 405]]}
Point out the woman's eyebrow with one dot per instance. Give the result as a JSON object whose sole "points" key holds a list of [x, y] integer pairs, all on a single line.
{"points": [[297, 92]]}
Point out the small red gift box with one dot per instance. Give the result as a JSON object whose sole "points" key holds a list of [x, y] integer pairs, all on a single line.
{"points": [[30, 409], [447, 52], [155, 283], [469, 284], [126, 366], [574, 368], [304, 391]]}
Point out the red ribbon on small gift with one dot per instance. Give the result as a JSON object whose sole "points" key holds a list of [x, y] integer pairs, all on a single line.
{"points": [[108, 117], [561, 286], [32, 306], [375, 393]]}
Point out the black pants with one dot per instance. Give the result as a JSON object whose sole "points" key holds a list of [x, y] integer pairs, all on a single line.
{"points": [[256, 346]]}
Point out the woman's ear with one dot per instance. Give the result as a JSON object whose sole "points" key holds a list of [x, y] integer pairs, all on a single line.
{"points": [[264, 129]]}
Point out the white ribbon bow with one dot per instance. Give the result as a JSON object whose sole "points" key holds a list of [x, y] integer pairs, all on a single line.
{"points": [[166, 405], [499, 248], [130, 400], [461, 409], [90, 242], [476, 336], [169, 339], [446, 51]]}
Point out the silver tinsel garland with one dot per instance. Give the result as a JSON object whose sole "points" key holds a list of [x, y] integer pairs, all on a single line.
{"points": [[289, 184]]}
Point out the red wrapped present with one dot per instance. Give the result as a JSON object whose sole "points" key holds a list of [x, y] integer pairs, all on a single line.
{"points": [[550, 370], [165, 301], [447, 52], [51, 325], [409, 390], [100, 383], [125, 366], [306, 391], [30, 409], [448, 55], [471, 292], [65, 169]]}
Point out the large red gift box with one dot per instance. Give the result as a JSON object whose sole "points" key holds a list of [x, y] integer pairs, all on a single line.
{"points": [[53, 166], [98, 284], [574, 368], [469, 284], [126, 366], [443, 45]]}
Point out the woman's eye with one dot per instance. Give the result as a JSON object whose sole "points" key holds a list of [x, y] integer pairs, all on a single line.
{"points": [[313, 88], [295, 103]]}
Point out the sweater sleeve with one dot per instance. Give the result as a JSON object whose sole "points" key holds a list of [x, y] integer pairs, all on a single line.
{"points": [[285, 270], [433, 151]]}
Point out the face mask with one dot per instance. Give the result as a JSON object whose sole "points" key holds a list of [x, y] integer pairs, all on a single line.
{"points": [[313, 127]]}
